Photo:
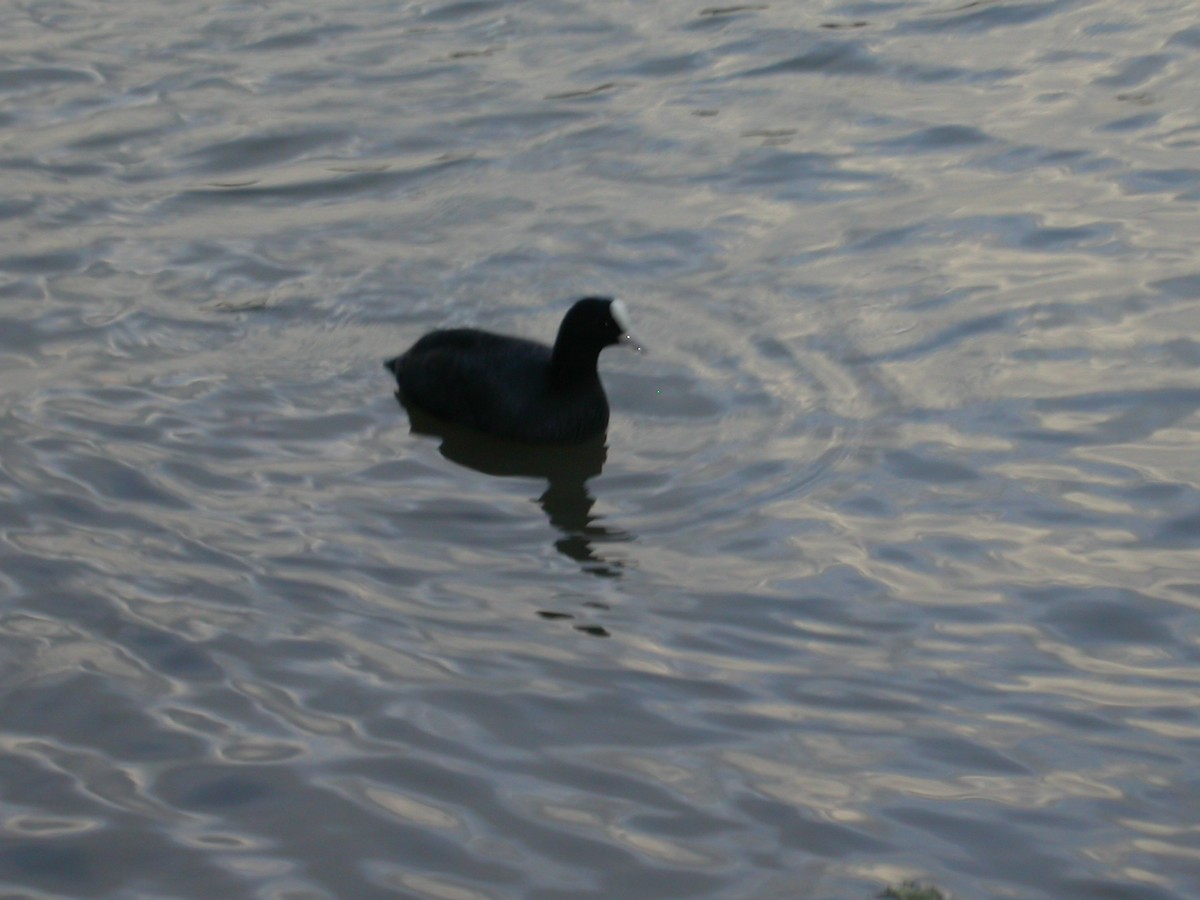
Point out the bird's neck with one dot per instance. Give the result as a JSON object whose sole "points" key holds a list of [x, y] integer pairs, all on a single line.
{"points": [[576, 366]]}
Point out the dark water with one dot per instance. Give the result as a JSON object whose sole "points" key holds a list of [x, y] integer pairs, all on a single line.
{"points": [[889, 569]]}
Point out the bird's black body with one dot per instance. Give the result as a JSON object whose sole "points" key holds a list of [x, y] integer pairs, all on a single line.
{"points": [[515, 388]]}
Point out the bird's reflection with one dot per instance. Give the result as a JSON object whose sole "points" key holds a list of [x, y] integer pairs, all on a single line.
{"points": [[566, 468]]}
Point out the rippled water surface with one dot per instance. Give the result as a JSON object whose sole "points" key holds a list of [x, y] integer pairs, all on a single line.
{"points": [[889, 569]]}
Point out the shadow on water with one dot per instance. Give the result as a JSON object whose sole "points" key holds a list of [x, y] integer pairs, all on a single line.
{"points": [[566, 468]]}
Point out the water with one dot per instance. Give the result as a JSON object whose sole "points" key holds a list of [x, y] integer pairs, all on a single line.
{"points": [[888, 569]]}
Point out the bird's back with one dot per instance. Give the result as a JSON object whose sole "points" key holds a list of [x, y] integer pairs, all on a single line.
{"points": [[497, 384]]}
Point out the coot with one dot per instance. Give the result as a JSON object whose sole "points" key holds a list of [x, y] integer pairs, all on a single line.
{"points": [[514, 388]]}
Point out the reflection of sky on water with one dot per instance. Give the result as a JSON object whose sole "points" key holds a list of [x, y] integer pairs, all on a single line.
{"points": [[895, 526]]}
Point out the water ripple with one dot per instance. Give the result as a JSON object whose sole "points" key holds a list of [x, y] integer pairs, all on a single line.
{"points": [[885, 571]]}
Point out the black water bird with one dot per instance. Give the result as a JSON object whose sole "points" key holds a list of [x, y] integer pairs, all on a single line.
{"points": [[514, 388]]}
